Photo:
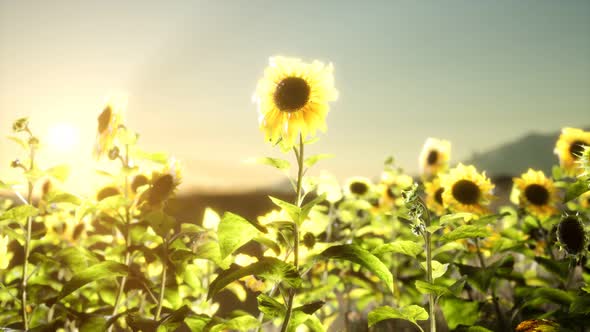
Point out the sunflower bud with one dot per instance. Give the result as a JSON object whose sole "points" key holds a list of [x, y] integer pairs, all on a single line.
{"points": [[33, 141], [537, 325], [107, 192], [308, 240], [114, 153], [571, 234], [20, 125]]}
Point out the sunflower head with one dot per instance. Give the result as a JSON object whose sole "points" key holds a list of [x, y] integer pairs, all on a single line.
{"points": [[109, 121], [292, 99], [328, 185], [536, 193], [163, 185], [583, 162], [537, 325], [584, 200], [357, 187], [434, 192], [391, 187], [434, 157], [569, 147], [139, 181], [571, 234], [466, 190]]}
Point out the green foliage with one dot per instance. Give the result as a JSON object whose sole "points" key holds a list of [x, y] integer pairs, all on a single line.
{"points": [[411, 313]]}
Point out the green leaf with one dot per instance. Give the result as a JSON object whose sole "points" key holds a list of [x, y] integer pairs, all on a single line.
{"points": [[280, 164], [358, 255], [270, 307], [233, 232], [240, 323], [54, 197], [559, 268], [406, 247], [575, 189], [554, 295], [156, 157], [302, 314], [269, 268], [292, 210], [459, 312], [581, 305], [438, 269], [160, 222], [465, 232], [427, 288], [76, 258], [20, 212], [455, 217], [306, 209], [477, 328], [411, 313], [60, 172], [310, 161], [19, 141], [106, 269]]}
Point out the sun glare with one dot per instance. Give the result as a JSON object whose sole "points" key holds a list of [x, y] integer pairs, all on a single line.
{"points": [[63, 137]]}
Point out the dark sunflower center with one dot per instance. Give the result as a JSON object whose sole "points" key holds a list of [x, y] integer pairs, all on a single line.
{"points": [[571, 234], [104, 118], [536, 194], [432, 157], [138, 181], [438, 195], [466, 192], [291, 94], [358, 188], [576, 148], [161, 189]]}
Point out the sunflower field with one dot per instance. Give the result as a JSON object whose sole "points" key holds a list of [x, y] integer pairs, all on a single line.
{"points": [[433, 252]]}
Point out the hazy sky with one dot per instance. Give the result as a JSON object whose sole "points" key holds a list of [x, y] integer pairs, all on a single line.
{"points": [[477, 73]]}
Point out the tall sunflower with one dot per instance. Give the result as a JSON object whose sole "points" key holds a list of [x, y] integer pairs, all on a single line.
{"points": [[569, 147], [434, 192], [109, 121], [293, 98], [391, 186], [466, 190], [357, 187], [435, 156], [537, 194]]}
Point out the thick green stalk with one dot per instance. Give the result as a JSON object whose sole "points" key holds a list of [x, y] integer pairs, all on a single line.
{"points": [[431, 299], [482, 263], [163, 286], [27, 247], [292, 292]]}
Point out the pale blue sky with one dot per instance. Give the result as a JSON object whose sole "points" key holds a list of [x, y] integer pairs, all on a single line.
{"points": [[477, 73]]}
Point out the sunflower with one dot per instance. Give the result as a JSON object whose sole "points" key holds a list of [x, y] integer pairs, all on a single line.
{"points": [[569, 147], [584, 200], [391, 187], [357, 187], [466, 190], [583, 162], [293, 98], [434, 192], [536, 193], [434, 157], [571, 234], [109, 121], [164, 184]]}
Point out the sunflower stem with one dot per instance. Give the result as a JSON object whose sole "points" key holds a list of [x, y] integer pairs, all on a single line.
{"points": [[299, 154], [127, 220], [482, 263], [163, 285], [27, 247]]}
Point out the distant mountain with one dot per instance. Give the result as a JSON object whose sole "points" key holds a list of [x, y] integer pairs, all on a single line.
{"points": [[514, 158]]}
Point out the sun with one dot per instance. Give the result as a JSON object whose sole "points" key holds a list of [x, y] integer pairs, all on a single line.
{"points": [[63, 137]]}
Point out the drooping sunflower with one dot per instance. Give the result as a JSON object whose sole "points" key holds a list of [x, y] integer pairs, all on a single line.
{"points": [[434, 192], [571, 234], [435, 156], [109, 121], [537, 194], [293, 98], [357, 187], [569, 147], [466, 190]]}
